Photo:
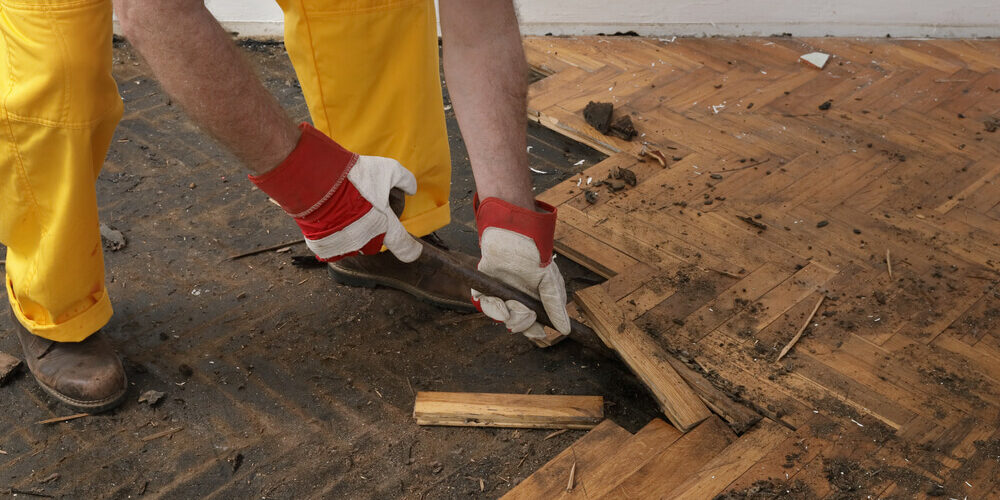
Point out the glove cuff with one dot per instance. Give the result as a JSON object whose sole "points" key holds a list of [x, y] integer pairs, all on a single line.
{"points": [[540, 227], [309, 176]]}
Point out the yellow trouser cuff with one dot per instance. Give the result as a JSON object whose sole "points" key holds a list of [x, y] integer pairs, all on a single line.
{"points": [[75, 329], [428, 222]]}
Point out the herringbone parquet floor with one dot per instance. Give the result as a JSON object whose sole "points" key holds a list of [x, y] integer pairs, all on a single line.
{"points": [[887, 203]]}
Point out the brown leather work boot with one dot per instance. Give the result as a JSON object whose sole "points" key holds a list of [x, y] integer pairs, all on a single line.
{"points": [[87, 375], [424, 279]]}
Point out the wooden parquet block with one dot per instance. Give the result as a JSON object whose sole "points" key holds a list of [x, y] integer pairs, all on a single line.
{"points": [[901, 162]]}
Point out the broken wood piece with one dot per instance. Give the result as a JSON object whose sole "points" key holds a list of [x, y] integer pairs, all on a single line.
{"points": [[536, 411], [622, 128], [739, 417], [266, 249], [798, 334], [554, 434], [815, 59], [158, 435], [63, 419], [658, 156], [552, 337], [650, 363], [9, 366], [572, 478]]}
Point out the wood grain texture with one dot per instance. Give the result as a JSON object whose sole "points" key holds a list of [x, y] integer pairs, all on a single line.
{"points": [[635, 452], [677, 463], [647, 360], [767, 202], [713, 477], [587, 453], [539, 411]]}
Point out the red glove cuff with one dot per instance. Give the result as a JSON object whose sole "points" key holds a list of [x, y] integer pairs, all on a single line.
{"points": [[540, 227], [309, 176], [311, 185]]}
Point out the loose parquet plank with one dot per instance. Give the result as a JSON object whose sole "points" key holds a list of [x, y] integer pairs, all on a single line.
{"points": [[590, 252], [675, 464], [587, 453], [737, 297], [788, 458], [634, 453], [735, 460], [681, 405]]}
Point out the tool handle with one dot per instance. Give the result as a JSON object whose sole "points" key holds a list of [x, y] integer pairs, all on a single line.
{"points": [[488, 285]]}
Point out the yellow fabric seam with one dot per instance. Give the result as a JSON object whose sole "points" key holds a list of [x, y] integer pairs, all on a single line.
{"points": [[60, 124], [312, 55]]}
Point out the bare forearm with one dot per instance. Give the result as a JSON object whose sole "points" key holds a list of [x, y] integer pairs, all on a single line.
{"points": [[201, 68], [487, 79]]}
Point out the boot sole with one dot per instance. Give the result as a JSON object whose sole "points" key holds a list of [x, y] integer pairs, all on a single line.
{"points": [[97, 406], [364, 280]]}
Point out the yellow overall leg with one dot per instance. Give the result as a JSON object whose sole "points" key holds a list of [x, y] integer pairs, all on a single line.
{"points": [[369, 72], [58, 112]]}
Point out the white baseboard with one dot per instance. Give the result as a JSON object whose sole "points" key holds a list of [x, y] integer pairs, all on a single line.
{"points": [[274, 29]]}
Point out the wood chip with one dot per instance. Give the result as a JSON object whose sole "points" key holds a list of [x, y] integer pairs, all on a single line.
{"points": [[63, 419], [798, 334]]}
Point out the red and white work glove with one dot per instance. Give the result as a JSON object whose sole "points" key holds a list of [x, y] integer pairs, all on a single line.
{"points": [[340, 199], [516, 246]]}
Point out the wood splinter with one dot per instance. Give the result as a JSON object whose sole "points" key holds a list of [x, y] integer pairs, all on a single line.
{"points": [[572, 478], [798, 334], [888, 263]]}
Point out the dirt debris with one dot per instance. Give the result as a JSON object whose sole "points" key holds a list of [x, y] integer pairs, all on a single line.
{"points": [[768, 489], [598, 115], [991, 124], [112, 238], [152, 397]]}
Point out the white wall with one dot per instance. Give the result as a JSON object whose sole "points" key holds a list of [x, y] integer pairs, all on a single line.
{"points": [[900, 18]]}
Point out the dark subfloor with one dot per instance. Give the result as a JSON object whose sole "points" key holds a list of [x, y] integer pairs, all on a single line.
{"points": [[283, 384]]}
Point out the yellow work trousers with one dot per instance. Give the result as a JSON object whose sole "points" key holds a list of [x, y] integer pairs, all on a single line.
{"points": [[369, 72], [368, 69]]}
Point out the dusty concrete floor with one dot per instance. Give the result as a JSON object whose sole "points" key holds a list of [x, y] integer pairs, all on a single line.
{"points": [[283, 383]]}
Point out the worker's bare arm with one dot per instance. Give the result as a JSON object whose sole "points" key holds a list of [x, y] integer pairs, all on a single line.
{"points": [[487, 80], [201, 68]]}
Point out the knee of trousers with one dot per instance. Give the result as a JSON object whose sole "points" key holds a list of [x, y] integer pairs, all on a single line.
{"points": [[59, 56]]}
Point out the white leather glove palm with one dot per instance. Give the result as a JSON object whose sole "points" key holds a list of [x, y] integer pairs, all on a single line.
{"points": [[516, 249], [340, 200]]}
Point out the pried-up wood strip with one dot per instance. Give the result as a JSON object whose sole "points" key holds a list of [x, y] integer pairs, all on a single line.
{"points": [[680, 404]]}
